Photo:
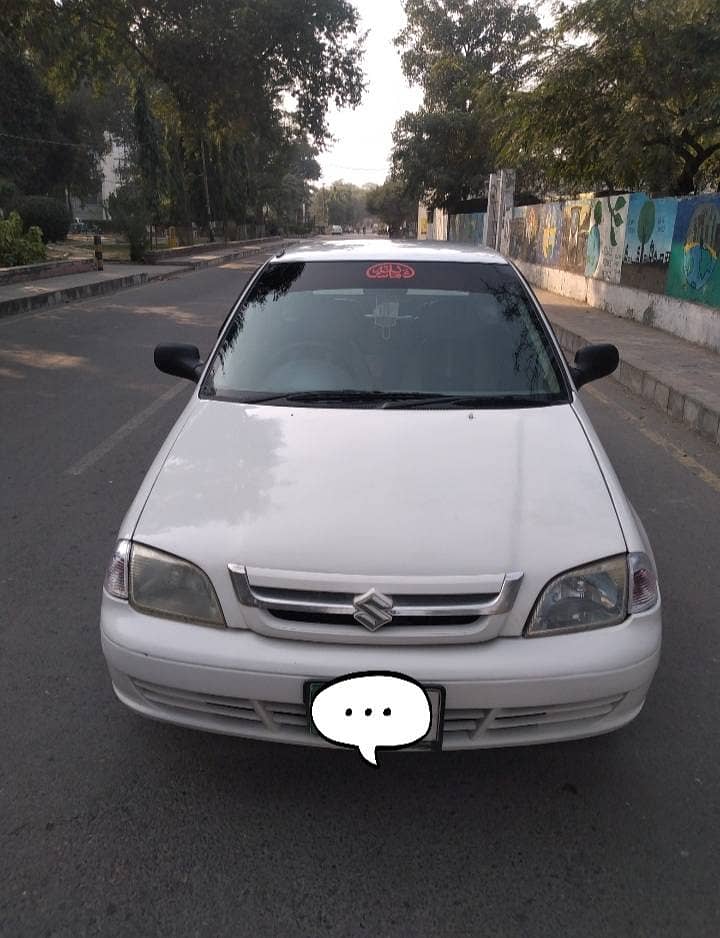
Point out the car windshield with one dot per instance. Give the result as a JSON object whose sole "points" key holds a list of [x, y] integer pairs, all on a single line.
{"points": [[369, 334]]}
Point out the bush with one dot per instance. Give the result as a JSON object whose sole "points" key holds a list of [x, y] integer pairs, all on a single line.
{"points": [[8, 194], [18, 246], [528, 198], [131, 216], [51, 216]]}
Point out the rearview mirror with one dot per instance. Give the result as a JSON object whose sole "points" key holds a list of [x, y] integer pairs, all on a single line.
{"points": [[593, 362], [183, 361]]}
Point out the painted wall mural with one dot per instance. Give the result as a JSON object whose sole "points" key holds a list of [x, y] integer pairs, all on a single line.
{"points": [[648, 242], [469, 227], [516, 239], [667, 245], [550, 233], [694, 272], [606, 238], [573, 240]]}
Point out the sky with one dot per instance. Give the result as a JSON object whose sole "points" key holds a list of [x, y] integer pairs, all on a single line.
{"points": [[364, 135]]}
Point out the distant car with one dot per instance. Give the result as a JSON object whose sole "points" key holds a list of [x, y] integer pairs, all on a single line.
{"points": [[336, 230], [385, 466]]}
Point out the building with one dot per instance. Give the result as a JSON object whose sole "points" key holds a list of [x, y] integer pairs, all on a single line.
{"points": [[94, 206]]}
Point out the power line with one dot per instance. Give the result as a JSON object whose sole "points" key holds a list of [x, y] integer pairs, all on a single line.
{"points": [[54, 143], [361, 169]]}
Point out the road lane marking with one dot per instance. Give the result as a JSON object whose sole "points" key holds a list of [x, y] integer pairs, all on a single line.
{"points": [[678, 454], [95, 455]]}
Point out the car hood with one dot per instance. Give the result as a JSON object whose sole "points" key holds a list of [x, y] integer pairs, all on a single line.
{"points": [[368, 492]]}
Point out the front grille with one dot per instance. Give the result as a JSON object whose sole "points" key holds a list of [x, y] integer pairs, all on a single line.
{"points": [[370, 614], [272, 715], [327, 619], [523, 717], [461, 727]]}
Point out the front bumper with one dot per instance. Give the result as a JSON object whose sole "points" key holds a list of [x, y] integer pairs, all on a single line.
{"points": [[505, 692]]}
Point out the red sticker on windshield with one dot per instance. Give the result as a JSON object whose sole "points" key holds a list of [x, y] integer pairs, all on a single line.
{"points": [[390, 272]]}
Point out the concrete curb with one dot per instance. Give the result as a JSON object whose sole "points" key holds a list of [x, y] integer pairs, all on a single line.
{"points": [[163, 256], [223, 259], [46, 270], [702, 419], [28, 304]]}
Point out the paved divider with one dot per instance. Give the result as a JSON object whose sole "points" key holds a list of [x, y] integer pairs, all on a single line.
{"points": [[176, 255], [28, 272], [41, 294]]}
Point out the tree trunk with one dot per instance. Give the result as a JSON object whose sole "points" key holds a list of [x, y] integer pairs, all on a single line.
{"points": [[685, 182], [207, 190]]}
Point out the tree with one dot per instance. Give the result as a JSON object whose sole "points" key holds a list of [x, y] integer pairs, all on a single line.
{"points": [[468, 55], [214, 73], [46, 146], [147, 151], [391, 203], [626, 108], [341, 203]]}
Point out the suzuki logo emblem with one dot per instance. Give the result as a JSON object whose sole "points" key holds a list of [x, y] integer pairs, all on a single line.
{"points": [[372, 610]]}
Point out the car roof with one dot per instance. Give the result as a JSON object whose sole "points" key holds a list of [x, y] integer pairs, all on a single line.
{"points": [[382, 249]]}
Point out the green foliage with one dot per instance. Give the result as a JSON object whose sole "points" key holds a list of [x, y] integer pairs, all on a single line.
{"points": [[628, 100], [467, 55], [48, 144], [524, 198], [391, 203], [186, 76], [129, 211], [341, 203], [148, 153], [8, 194], [18, 246], [50, 215]]}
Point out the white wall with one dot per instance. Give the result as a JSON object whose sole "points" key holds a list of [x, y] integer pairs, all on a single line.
{"points": [[690, 321]]}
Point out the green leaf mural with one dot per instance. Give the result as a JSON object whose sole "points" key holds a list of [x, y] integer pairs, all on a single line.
{"points": [[598, 212], [645, 226]]}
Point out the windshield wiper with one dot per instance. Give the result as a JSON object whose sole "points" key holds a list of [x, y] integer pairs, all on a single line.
{"points": [[347, 395], [478, 401], [400, 399]]}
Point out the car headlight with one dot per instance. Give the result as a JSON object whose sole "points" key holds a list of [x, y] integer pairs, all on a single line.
{"points": [[588, 597], [162, 585]]}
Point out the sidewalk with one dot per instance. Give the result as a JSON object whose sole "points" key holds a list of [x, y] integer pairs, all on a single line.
{"points": [[680, 378], [40, 294]]}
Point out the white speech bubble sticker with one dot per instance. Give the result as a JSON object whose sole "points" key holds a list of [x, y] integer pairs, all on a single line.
{"points": [[372, 710]]}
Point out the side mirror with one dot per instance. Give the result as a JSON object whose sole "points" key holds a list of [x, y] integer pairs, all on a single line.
{"points": [[183, 361], [593, 362]]}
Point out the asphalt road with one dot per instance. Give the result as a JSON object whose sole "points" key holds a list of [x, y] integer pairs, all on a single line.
{"points": [[112, 825]]}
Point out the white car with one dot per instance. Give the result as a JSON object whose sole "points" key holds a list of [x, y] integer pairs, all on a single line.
{"points": [[336, 230], [385, 466]]}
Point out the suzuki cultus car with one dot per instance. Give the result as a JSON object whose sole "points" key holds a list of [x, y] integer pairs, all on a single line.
{"points": [[384, 465]]}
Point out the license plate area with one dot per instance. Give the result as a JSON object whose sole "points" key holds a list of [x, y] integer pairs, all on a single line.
{"points": [[431, 740]]}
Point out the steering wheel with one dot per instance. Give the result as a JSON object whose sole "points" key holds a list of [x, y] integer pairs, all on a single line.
{"points": [[312, 350]]}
